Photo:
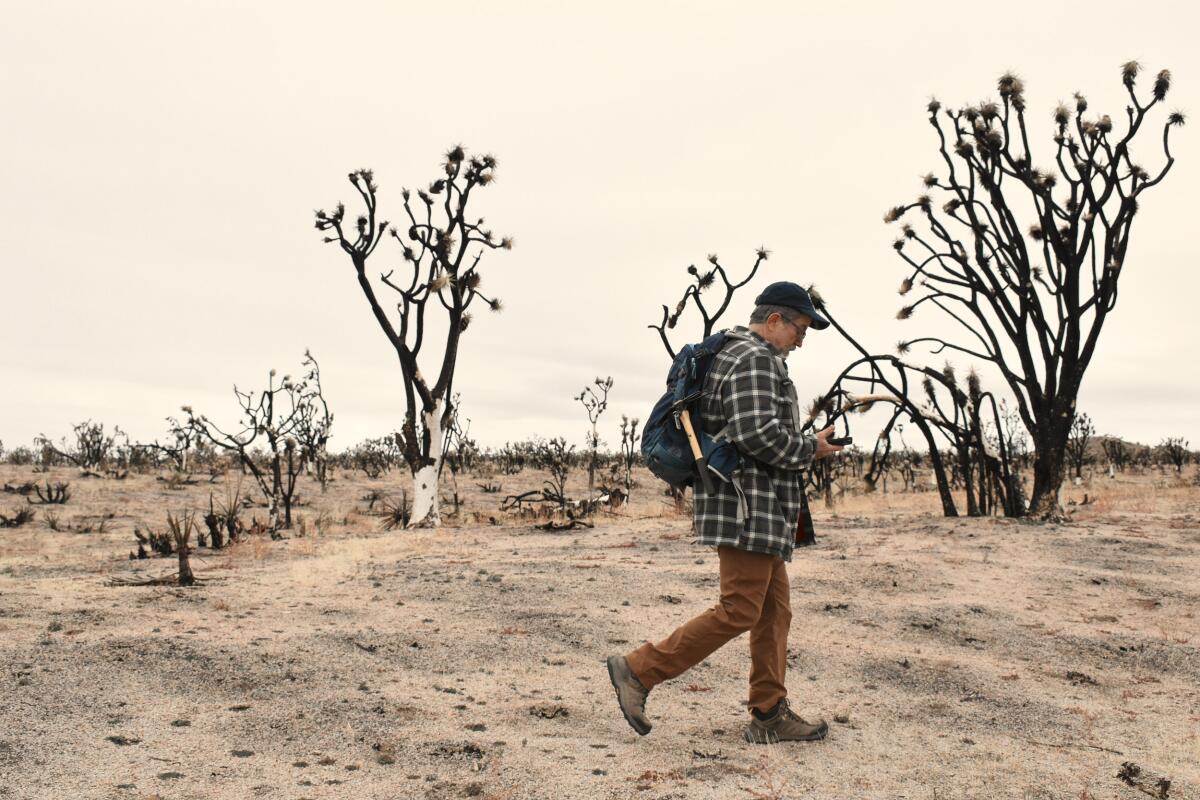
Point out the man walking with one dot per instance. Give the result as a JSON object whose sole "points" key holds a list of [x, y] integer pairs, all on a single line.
{"points": [[754, 522]]}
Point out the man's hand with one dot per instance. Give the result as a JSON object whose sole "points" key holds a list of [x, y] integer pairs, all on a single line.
{"points": [[824, 448]]}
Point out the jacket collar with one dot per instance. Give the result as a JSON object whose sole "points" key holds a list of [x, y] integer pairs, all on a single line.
{"points": [[742, 332]]}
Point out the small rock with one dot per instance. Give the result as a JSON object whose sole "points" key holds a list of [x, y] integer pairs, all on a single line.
{"points": [[242, 753], [841, 718], [181, 723]]}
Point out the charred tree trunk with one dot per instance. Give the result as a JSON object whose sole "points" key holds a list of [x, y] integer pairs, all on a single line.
{"points": [[1049, 469]]}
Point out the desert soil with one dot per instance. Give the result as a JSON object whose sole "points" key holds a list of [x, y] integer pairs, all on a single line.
{"points": [[964, 658]]}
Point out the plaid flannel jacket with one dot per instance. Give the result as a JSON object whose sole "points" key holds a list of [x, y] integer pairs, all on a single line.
{"points": [[749, 400]]}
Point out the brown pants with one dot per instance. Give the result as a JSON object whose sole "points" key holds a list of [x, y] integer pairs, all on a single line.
{"points": [[755, 598]]}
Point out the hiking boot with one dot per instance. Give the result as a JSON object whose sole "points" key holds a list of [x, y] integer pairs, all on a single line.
{"points": [[631, 695], [785, 726]]}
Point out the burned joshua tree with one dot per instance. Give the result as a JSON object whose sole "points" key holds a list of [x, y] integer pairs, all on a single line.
{"points": [[92, 450], [1025, 256], [441, 248], [313, 429], [595, 402], [1082, 431], [272, 418], [1117, 453], [888, 379], [1175, 450], [629, 450], [178, 451], [701, 281]]}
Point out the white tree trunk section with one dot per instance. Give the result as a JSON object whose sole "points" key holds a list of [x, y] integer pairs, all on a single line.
{"points": [[425, 482]]}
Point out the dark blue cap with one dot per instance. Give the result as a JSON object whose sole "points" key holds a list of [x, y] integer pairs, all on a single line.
{"points": [[794, 296]]}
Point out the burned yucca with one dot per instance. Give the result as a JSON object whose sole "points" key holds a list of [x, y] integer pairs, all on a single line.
{"points": [[979, 266]]}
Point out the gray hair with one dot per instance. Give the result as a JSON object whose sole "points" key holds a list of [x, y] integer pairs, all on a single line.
{"points": [[760, 313]]}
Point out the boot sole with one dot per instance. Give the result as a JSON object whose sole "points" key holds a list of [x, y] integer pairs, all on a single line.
{"points": [[771, 739], [640, 728]]}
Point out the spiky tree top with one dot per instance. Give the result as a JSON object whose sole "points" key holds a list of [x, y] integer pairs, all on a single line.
{"points": [[1032, 296], [702, 280]]}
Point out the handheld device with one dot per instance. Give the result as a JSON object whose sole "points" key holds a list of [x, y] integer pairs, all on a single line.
{"points": [[841, 441]]}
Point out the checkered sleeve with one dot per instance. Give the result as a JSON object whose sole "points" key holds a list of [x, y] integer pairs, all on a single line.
{"points": [[752, 398]]}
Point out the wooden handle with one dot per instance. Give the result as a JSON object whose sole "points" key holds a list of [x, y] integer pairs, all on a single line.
{"points": [[697, 453], [686, 419]]}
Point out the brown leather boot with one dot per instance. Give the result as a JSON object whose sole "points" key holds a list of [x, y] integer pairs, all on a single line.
{"points": [[631, 695], [785, 726]]}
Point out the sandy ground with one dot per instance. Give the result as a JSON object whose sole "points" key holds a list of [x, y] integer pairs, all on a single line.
{"points": [[954, 658]]}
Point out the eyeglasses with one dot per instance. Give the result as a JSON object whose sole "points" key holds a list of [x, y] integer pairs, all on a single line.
{"points": [[800, 332]]}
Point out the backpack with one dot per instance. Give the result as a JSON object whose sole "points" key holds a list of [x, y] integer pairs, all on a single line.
{"points": [[665, 446]]}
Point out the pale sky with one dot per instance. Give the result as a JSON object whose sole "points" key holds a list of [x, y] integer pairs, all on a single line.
{"points": [[162, 160]]}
